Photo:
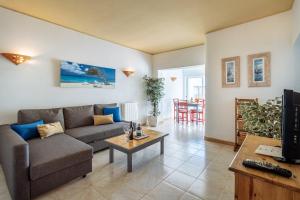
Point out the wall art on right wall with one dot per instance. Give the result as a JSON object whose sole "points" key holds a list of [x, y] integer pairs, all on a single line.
{"points": [[259, 70]]}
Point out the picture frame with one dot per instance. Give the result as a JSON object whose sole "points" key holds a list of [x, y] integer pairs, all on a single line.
{"points": [[231, 72], [78, 75], [259, 70]]}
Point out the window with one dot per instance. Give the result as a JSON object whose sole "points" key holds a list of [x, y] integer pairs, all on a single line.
{"points": [[195, 87]]}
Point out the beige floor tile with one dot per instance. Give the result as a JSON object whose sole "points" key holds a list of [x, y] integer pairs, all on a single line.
{"points": [[146, 198], [171, 161], [5, 196], [197, 160], [192, 170], [165, 191], [68, 190], [116, 189], [143, 184], [216, 177], [46, 197], [189, 149], [208, 155], [205, 190], [3, 186], [145, 179], [87, 194], [182, 155], [188, 196], [226, 195], [180, 180], [110, 172]]}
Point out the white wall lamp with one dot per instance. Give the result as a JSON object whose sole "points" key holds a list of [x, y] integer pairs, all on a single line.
{"points": [[173, 78], [16, 58], [128, 71]]}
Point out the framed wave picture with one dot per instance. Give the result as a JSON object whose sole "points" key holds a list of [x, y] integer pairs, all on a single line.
{"points": [[76, 75], [231, 72], [259, 71]]}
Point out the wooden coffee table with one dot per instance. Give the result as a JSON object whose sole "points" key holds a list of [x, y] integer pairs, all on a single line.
{"points": [[129, 147]]}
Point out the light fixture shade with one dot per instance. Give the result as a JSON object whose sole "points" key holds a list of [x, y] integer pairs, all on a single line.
{"points": [[173, 78], [16, 58], [128, 71]]}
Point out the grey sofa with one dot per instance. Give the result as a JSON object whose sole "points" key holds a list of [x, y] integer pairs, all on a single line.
{"points": [[36, 166]]}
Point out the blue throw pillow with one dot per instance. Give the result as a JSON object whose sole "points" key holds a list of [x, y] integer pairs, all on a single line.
{"points": [[115, 111], [27, 131]]}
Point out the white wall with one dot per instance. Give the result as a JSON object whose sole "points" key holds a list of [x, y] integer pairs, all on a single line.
{"points": [[35, 84], [268, 34], [297, 64], [173, 89], [296, 41], [179, 58], [296, 20]]}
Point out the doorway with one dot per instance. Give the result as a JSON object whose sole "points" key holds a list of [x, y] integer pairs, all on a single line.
{"points": [[186, 83]]}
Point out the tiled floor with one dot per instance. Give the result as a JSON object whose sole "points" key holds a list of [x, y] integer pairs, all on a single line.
{"points": [[191, 169]]}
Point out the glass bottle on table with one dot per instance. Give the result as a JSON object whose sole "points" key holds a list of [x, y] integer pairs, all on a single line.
{"points": [[139, 131], [131, 130]]}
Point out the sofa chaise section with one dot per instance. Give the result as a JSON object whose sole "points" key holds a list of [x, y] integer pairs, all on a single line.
{"points": [[36, 166], [56, 160]]}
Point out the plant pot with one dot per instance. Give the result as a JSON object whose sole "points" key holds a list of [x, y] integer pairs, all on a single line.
{"points": [[152, 121]]}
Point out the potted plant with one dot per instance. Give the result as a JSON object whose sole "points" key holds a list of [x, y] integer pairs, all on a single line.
{"points": [[154, 90], [263, 120]]}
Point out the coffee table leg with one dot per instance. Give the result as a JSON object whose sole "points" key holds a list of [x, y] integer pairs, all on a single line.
{"points": [[162, 145], [111, 155], [129, 162]]}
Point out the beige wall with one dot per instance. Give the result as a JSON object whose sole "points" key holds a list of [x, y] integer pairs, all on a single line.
{"points": [[268, 34]]}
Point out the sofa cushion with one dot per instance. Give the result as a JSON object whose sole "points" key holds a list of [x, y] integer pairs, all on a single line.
{"points": [[27, 131], [90, 134], [55, 153], [115, 111], [47, 130], [98, 108], [103, 119], [78, 116], [47, 115]]}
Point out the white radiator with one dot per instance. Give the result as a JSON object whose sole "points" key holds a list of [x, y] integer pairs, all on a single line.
{"points": [[130, 111]]}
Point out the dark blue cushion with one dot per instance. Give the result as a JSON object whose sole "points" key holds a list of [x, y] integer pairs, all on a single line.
{"points": [[115, 111], [27, 131]]}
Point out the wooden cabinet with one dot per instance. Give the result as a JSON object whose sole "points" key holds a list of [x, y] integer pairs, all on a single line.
{"points": [[240, 133], [251, 184]]}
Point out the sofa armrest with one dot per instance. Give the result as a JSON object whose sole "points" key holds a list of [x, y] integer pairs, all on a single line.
{"points": [[14, 157]]}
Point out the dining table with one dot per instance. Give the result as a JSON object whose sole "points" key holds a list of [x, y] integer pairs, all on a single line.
{"points": [[190, 104]]}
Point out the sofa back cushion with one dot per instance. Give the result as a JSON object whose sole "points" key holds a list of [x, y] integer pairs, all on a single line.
{"points": [[98, 108], [47, 115], [78, 116]]}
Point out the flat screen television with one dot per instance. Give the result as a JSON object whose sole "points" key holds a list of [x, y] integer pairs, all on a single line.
{"points": [[290, 127]]}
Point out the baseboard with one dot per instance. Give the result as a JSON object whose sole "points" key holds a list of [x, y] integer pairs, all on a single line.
{"points": [[210, 139]]}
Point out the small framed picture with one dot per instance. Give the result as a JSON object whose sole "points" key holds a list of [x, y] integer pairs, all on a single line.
{"points": [[231, 72], [259, 72]]}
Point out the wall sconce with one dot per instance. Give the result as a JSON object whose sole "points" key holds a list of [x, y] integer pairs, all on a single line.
{"points": [[173, 78], [16, 58], [128, 71]]}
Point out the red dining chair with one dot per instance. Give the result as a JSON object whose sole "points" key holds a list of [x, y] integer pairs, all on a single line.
{"points": [[175, 106], [183, 112], [200, 112]]}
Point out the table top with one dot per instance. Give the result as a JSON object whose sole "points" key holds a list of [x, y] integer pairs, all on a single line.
{"points": [[247, 150], [123, 142]]}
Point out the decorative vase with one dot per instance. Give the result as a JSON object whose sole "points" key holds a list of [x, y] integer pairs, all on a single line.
{"points": [[152, 121]]}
